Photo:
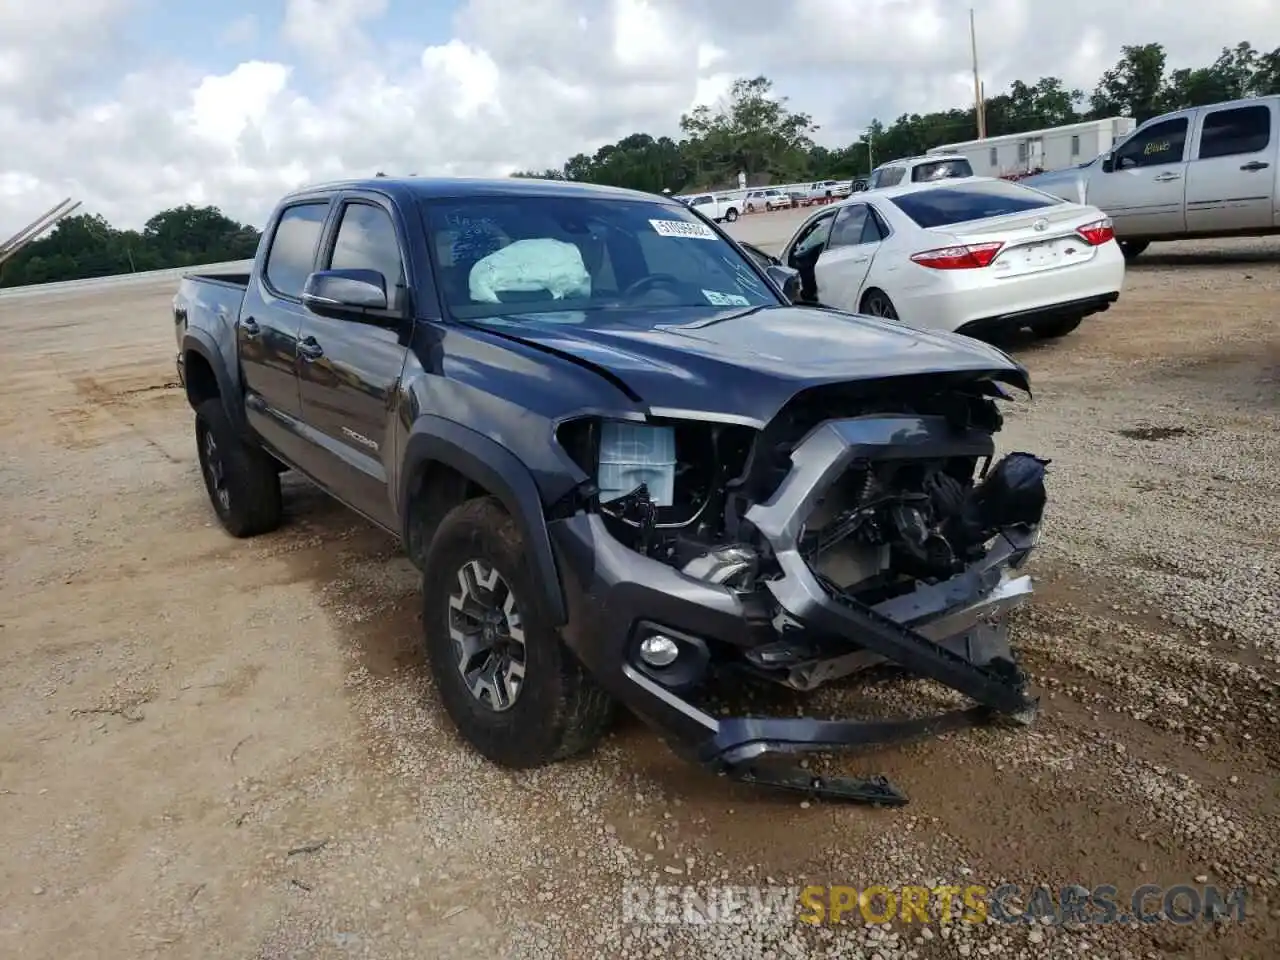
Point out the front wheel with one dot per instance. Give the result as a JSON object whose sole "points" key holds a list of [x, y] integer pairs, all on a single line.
{"points": [[1132, 249], [511, 687]]}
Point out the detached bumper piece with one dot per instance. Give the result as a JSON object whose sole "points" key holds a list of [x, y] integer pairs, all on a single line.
{"points": [[740, 747]]}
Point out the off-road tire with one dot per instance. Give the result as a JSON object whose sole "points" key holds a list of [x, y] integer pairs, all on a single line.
{"points": [[1057, 328], [560, 710], [251, 476]]}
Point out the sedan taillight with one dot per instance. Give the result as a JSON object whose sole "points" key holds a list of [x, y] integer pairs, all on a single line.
{"points": [[1097, 233], [958, 258]]}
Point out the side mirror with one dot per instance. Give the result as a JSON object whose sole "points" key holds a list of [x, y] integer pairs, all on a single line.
{"points": [[345, 291], [788, 280], [1108, 163]]}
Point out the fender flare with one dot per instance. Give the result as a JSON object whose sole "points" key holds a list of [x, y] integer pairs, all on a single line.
{"points": [[201, 342], [435, 439]]}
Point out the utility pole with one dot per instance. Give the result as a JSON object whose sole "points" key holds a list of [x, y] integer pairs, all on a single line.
{"points": [[977, 84]]}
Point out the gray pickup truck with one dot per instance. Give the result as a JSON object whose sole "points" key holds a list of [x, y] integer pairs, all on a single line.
{"points": [[626, 463], [1210, 171]]}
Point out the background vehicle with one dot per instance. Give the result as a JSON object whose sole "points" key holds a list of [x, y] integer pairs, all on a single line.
{"points": [[766, 199], [919, 170], [717, 207], [566, 399], [977, 255], [1204, 172], [823, 190]]}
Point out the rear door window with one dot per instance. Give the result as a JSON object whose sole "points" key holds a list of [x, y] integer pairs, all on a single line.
{"points": [[943, 206], [293, 247], [891, 177], [1226, 133]]}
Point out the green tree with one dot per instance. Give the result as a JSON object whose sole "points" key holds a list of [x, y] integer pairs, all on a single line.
{"points": [[87, 246], [1135, 86], [755, 132]]}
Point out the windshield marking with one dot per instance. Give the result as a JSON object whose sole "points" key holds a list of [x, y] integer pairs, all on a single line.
{"points": [[725, 299], [683, 228]]}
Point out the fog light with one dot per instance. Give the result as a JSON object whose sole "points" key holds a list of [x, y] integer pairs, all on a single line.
{"points": [[658, 651]]}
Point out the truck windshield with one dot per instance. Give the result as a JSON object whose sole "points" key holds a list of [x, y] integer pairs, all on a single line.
{"points": [[562, 258]]}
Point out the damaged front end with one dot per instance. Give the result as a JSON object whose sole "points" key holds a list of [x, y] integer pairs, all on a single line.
{"points": [[864, 525]]}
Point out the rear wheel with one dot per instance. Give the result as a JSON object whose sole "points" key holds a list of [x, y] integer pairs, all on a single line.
{"points": [[1132, 249], [512, 688], [1057, 328], [876, 303], [731, 215], [242, 479]]}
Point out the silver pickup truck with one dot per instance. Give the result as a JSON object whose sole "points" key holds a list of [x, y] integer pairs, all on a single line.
{"points": [[1203, 172]]}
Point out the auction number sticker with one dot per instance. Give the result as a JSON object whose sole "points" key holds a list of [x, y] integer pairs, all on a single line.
{"points": [[726, 299], [682, 228]]}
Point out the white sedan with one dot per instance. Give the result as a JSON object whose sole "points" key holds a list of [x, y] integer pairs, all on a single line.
{"points": [[973, 255]]}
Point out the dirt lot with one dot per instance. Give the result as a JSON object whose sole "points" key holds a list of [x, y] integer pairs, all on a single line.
{"points": [[216, 748]]}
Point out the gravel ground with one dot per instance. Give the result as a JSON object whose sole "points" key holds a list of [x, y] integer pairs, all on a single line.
{"points": [[223, 748]]}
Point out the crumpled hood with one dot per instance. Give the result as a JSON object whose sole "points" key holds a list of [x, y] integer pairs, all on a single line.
{"points": [[746, 365]]}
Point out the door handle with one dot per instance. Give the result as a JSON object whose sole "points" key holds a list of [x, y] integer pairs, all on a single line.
{"points": [[1166, 177], [859, 259], [1255, 165], [309, 349], [250, 327]]}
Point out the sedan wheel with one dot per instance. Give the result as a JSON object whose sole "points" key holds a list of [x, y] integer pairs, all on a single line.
{"points": [[876, 304]]}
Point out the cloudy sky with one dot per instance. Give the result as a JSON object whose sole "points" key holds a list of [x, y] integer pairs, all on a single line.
{"points": [[137, 105]]}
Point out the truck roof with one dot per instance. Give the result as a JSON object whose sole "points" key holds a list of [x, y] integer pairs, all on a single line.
{"points": [[409, 188]]}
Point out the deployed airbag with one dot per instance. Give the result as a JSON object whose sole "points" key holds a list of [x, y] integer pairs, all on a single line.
{"points": [[529, 266]]}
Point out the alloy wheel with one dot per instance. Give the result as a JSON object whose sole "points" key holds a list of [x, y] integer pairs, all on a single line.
{"points": [[215, 471], [879, 306], [487, 635]]}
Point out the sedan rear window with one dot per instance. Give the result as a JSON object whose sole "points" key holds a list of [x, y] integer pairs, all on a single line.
{"points": [[942, 206]]}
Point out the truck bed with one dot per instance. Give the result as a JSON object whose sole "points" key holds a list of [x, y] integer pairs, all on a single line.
{"points": [[240, 280], [210, 302]]}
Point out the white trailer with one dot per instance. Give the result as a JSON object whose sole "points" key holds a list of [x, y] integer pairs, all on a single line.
{"points": [[1054, 148]]}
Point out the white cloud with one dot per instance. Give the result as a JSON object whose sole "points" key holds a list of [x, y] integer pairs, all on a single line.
{"points": [[518, 85], [329, 32]]}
